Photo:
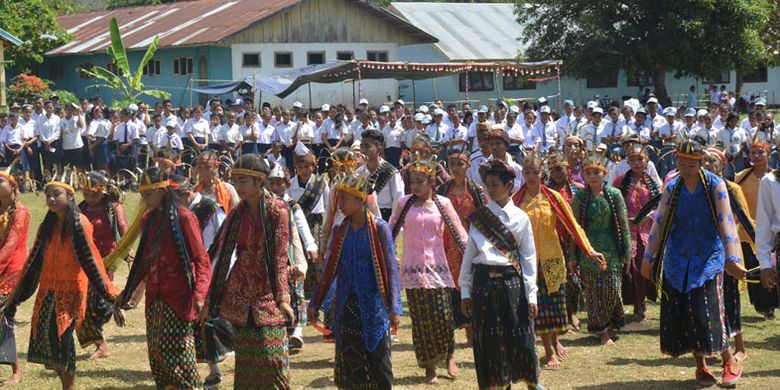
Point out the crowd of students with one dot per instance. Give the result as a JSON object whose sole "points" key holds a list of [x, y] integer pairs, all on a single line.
{"points": [[511, 231]]}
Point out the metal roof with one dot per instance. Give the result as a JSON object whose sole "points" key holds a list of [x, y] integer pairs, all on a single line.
{"points": [[8, 37], [183, 23], [467, 31]]}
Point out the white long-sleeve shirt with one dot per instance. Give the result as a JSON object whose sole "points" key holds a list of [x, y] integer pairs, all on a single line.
{"points": [[767, 219], [480, 251], [48, 128], [392, 191], [296, 191], [210, 231], [304, 232]]}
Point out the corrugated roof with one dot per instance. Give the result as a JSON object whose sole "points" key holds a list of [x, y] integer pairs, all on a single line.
{"points": [[181, 23], [467, 31]]}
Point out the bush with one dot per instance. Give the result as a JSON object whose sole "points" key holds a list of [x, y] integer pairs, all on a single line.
{"points": [[26, 87], [65, 97]]}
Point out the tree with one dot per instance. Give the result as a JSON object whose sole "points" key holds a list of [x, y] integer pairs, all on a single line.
{"points": [[127, 84], [33, 22], [693, 38]]}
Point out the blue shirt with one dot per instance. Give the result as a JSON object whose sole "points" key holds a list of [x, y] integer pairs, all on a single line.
{"points": [[694, 251], [355, 275]]}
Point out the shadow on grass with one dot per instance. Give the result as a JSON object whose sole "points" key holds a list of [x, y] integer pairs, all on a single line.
{"points": [[770, 343], [659, 362], [643, 384], [128, 338], [754, 320], [321, 364], [765, 373], [127, 375], [322, 383]]}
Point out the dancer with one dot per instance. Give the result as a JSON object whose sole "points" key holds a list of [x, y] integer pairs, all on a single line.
{"points": [[253, 293], [547, 211], [211, 185], [14, 224], [499, 274], [104, 211], [424, 217], [63, 262], [687, 271], [174, 268], [366, 298], [388, 185], [601, 211]]}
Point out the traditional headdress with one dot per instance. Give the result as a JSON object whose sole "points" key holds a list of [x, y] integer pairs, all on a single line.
{"points": [[595, 160], [635, 150], [532, 158], [557, 159], [243, 167], [690, 149], [6, 173], [97, 181], [342, 158], [66, 180], [419, 164], [761, 143], [148, 184], [719, 154], [354, 184]]}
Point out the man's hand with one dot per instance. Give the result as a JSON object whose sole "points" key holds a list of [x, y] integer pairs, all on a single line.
{"points": [[646, 270], [769, 278], [287, 311], [599, 259], [465, 307], [313, 315], [298, 275], [736, 270], [533, 311]]}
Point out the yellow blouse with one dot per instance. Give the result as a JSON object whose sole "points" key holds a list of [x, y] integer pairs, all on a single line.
{"points": [[552, 265]]}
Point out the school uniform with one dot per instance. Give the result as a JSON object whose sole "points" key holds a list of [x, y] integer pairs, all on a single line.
{"points": [[393, 137], [125, 133], [71, 141], [99, 130], [48, 130]]}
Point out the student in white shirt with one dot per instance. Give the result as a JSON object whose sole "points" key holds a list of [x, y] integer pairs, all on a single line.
{"points": [[437, 128], [197, 130], [48, 132], [767, 229], [545, 128], [732, 138], [170, 142], [333, 132], [688, 128], [363, 124], [284, 133], [567, 116], [530, 136], [70, 130], [215, 143], [250, 132], [394, 135], [706, 130], [487, 272], [498, 140], [153, 133], [13, 139], [126, 138], [99, 136], [456, 133], [590, 133], [274, 154], [637, 126], [230, 134], [614, 128]]}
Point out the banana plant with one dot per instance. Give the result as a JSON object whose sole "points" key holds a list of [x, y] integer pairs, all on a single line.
{"points": [[127, 85]]}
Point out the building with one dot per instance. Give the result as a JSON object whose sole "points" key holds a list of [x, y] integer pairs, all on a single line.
{"points": [[209, 41], [6, 38], [482, 32]]}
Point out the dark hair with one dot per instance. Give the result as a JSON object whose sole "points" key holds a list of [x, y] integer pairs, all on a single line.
{"points": [[374, 136], [253, 162], [68, 224], [732, 116], [497, 168]]}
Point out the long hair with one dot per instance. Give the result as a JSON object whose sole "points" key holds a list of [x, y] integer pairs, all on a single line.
{"points": [[72, 217]]}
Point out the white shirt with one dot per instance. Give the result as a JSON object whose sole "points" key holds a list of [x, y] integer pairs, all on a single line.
{"points": [[316, 138], [456, 133], [331, 130], [393, 136], [304, 232], [172, 140], [530, 137], [640, 129], [295, 191], [13, 136], [718, 124], [546, 132], [230, 134], [48, 129], [562, 124], [392, 191], [265, 134], [590, 133], [306, 130], [29, 128], [767, 219], [357, 131], [210, 231], [575, 126], [284, 133], [277, 160], [613, 129], [746, 125], [731, 139], [71, 133], [248, 131], [516, 131], [198, 128], [100, 128], [655, 123], [125, 132], [436, 131], [480, 251], [668, 130]]}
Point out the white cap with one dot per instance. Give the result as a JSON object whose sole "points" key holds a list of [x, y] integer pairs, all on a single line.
{"points": [[298, 105], [652, 100], [593, 104], [760, 102], [542, 100], [418, 117], [172, 122], [670, 111], [277, 172], [423, 108], [363, 101], [132, 108], [544, 109], [325, 107], [426, 119], [601, 147], [301, 149], [384, 109], [482, 109], [514, 109], [401, 102], [598, 110], [438, 112], [701, 112], [238, 102]]}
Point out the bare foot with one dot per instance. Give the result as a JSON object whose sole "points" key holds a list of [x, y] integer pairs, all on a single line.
{"points": [[14, 379], [740, 356], [561, 351], [551, 362], [430, 376], [452, 368], [606, 340], [575, 322], [101, 352]]}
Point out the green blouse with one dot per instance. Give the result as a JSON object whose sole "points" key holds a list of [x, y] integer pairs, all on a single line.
{"points": [[600, 227]]}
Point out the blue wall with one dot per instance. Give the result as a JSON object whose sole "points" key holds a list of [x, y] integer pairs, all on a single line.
{"points": [[219, 67]]}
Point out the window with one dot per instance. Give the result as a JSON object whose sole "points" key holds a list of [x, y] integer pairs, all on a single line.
{"points": [[376, 56], [112, 68], [345, 56], [315, 57], [603, 80], [83, 67], [639, 78], [723, 77], [759, 75], [482, 81], [152, 68], [283, 59], [56, 72], [515, 83], [250, 60], [182, 66]]}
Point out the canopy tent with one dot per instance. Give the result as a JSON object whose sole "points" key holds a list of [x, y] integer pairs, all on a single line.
{"points": [[284, 84]]}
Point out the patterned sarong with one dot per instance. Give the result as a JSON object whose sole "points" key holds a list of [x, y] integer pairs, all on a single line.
{"points": [[171, 345], [433, 324]]}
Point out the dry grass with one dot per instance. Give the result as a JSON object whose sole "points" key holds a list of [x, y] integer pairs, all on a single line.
{"points": [[634, 362]]}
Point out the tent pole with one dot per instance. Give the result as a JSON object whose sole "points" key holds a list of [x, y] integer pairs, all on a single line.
{"points": [[467, 86], [558, 71], [435, 94], [190, 91], [353, 94], [309, 95], [414, 92]]}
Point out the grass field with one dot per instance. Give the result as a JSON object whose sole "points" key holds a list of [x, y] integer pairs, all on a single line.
{"points": [[633, 363]]}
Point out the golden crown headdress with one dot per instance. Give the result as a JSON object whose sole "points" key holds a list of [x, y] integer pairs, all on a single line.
{"points": [[595, 160], [419, 164], [68, 179], [690, 149], [355, 184]]}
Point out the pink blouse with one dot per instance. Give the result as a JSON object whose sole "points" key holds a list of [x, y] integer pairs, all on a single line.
{"points": [[424, 262]]}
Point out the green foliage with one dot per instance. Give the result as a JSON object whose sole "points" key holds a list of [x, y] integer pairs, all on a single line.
{"points": [[385, 3], [24, 88], [65, 97], [126, 84], [698, 38], [33, 22]]}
